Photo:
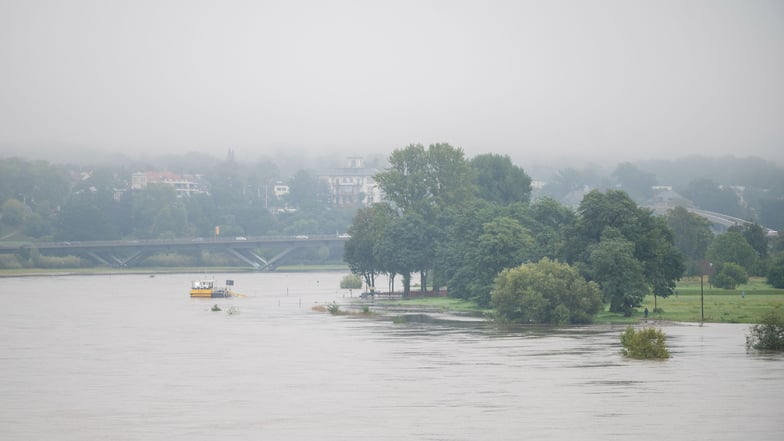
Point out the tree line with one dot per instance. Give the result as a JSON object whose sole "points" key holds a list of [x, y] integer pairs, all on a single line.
{"points": [[40, 201], [453, 221], [469, 225]]}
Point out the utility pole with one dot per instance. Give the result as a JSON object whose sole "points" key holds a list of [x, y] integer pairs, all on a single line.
{"points": [[702, 301]]}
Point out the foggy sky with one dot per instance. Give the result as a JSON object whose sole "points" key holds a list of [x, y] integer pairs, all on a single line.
{"points": [[593, 79]]}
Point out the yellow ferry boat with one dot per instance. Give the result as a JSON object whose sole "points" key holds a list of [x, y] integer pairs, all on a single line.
{"points": [[208, 288]]}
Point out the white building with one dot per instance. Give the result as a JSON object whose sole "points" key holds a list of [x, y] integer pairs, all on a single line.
{"points": [[185, 186], [352, 185]]}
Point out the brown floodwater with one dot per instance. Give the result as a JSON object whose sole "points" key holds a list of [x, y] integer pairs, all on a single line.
{"points": [[133, 357]]}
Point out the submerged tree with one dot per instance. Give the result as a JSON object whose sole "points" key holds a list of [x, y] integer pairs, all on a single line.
{"points": [[644, 344], [768, 334]]}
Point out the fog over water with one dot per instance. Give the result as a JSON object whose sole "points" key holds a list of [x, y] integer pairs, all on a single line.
{"points": [[535, 80]]}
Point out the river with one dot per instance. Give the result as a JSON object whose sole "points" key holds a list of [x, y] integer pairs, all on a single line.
{"points": [[133, 357]]}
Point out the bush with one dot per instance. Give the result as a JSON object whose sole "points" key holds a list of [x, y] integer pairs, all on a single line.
{"points": [[51, 262], [776, 273], [644, 344], [544, 292], [351, 281], [9, 261], [730, 275], [768, 334], [334, 308]]}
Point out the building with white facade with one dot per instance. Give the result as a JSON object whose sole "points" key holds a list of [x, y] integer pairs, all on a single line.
{"points": [[185, 185], [352, 185]]}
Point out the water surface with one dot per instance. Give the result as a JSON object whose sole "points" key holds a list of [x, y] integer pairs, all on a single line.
{"points": [[134, 357]]}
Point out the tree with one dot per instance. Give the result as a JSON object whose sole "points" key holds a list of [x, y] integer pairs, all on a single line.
{"points": [[81, 219], [708, 195], [729, 276], [549, 224], [170, 221], [455, 253], [308, 193], [613, 265], [545, 292], [424, 183], [756, 237], [397, 250], [567, 183], [13, 212], [637, 183], [768, 334], [652, 241], [500, 181], [359, 251], [438, 176], [644, 344], [691, 234], [151, 211], [449, 176], [404, 183], [503, 244], [776, 273], [732, 247], [36, 226]]}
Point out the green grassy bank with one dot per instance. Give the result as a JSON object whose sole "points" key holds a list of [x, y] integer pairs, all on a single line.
{"points": [[746, 304]]}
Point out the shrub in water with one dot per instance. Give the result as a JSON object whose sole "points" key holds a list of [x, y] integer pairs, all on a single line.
{"points": [[333, 308], [768, 334], [644, 344]]}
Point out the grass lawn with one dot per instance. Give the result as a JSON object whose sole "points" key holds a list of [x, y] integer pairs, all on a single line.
{"points": [[746, 304], [721, 306]]}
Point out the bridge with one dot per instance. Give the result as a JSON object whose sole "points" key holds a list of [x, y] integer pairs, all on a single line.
{"points": [[128, 253], [723, 221]]}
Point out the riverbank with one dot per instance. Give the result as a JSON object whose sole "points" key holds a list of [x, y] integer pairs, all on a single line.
{"points": [[746, 304], [690, 303]]}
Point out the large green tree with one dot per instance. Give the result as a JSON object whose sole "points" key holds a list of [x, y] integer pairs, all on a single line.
{"points": [[438, 176], [755, 236], [421, 185], [732, 247], [549, 223], [775, 276], [653, 248], [360, 250], [498, 180], [613, 265]]}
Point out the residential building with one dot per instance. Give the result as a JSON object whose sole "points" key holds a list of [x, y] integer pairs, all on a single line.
{"points": [[184, 185], [352, 185]]}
